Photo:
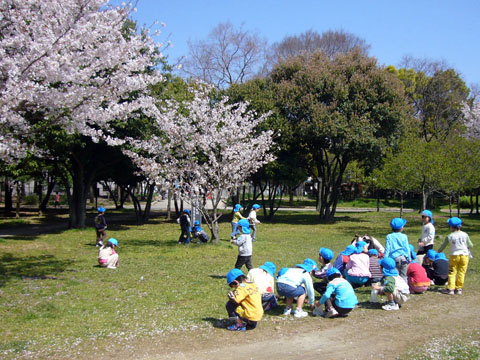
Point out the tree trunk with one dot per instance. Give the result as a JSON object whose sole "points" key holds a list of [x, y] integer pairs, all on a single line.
{"points": [[471, 202], [458, 205], [424, 196], [8, 196], [401, 204], [378, 200], [81, 182], [476, 201], [51, 185], [450, 205], [169, 204], [19, 198]]}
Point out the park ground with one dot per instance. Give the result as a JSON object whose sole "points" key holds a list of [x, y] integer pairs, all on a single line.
{"points": [[166, 301]]}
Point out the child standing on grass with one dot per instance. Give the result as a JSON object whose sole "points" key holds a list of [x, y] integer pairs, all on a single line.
{"points": [[263, 278], [396, 246], [297, 283], [237, 216], [244, 243], [460, 246], [339, 297], [100, 226], [107, 256], [245, 302], [252, 218], [427, 239], [184, 221], [325, 255]]}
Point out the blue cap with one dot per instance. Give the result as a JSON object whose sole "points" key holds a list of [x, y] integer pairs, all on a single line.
{"points": [[359, 247], [332, 271], [327, 254], [197, 222], [237, 207], [431, 254], [397, 223], [308, 265], [454, 221], [349, 250], [101, 209], [256, 206], [412, 251], [388, 267], [245, 225], [281, 272], [440, 256], [113, 241], [429, 214], [186, 211], [269, 267], [373, 252], [233, 274]]}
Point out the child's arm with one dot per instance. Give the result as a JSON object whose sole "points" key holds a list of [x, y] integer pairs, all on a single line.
{"points": [[239, 241], [327, 294], [469, 242], [307, 280], [445, 242]]}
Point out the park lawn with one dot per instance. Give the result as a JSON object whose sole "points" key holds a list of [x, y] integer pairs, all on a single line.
{"points": [[54, 299]]}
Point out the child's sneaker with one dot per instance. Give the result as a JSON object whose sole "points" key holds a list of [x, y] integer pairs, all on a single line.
{"points": [[331, 313], [299, 313], [390, 307], [318, 312], [287, 311], [447, 291], [459, 292], [237, 327]]}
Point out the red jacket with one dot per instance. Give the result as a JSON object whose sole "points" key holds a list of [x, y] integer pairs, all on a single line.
{"points": [[417, 275]]}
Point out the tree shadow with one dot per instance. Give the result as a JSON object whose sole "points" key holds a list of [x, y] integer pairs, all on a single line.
{"points": [[213, 276], [300, 218], [30, 267], [219, 323]]}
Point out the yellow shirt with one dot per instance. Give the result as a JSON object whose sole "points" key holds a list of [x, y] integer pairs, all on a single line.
{"points": [[249, 299], [237, 217]]}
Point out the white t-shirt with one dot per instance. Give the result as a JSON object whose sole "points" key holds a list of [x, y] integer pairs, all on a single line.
{"points": [[428, 234]]}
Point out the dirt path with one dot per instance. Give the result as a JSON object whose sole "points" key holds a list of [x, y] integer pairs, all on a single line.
{"points": [[368, 333]]}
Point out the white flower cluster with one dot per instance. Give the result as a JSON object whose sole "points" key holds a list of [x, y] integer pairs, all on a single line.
{"points": [[72, 61]]}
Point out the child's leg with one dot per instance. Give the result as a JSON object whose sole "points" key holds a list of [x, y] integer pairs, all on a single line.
{"points": [[452, 271], [254, 230], [241, 260], [301, 300], [289, 302], [462, 269], [231, 307], [389, 296], [248, 262], [234, 229]]}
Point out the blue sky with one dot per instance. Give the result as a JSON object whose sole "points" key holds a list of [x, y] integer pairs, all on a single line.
{"points": [[438, 29]]}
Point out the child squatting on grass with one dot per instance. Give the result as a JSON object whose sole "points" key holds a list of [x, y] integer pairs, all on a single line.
{"points": [[244, 243], [339, 298], [460, 245], [393, 286], [292, 282], [245, 302], [107, 256], [264, 279]]}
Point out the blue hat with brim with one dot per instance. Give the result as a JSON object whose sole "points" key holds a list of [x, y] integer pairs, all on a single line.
{"points": [[256, 206], [186, 211], [359, 247], [113, 241], [388, 267], [349, 250], [440, 256], [269, 267], [397, 223], [197, 222], [237, 207], [332, 271], [412, 251], [431, 254], [454, 221], [101, 209], [373, 252], [233, 274], [308, 265], [326, 253], [429, 214], [245, 225]]}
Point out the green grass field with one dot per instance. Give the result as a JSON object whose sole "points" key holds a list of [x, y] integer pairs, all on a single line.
{"points": [[54, 297]]}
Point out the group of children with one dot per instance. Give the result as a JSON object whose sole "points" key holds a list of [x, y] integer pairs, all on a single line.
{"points": [[189, 232], [394, 271]]}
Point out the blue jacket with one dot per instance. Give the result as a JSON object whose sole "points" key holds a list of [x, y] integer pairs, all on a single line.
{"points": [[396, 245], [344, 294]]}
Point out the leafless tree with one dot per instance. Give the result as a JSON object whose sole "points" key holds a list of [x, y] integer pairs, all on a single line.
{"points": [[330, 42], [228, 56], [428, 66]]}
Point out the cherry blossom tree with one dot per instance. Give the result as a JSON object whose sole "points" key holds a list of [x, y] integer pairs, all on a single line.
{"points": [[211, 147], [74, 66]]}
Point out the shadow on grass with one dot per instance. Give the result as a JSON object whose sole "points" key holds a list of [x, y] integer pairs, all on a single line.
{"points": [[30, 267], [217, 276], [219, 323], [296, 218], [369, 305]]}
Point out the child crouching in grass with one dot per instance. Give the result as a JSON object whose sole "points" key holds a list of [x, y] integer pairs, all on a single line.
{"points": [[107, 256], [245, 302], [393, 286], [339, 297]]}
